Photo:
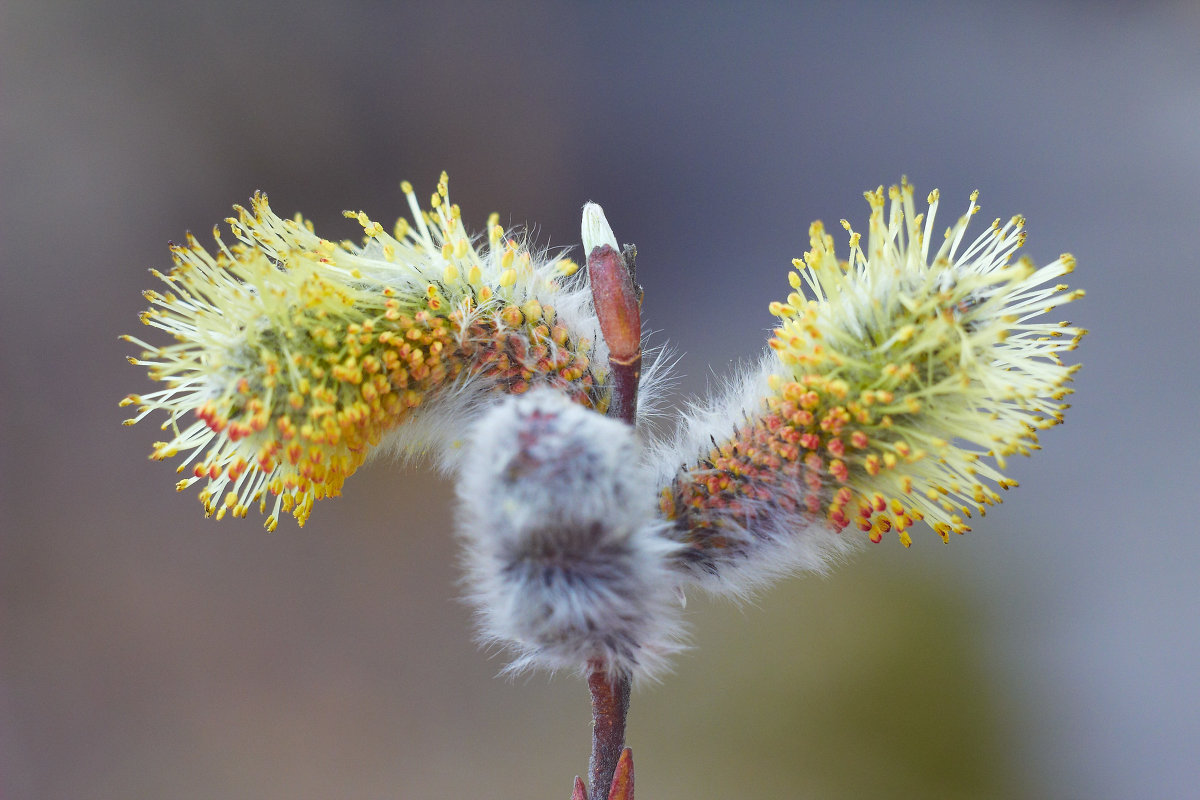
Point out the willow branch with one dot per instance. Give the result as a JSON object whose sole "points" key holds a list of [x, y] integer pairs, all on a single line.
{"points": [[618, 308]]}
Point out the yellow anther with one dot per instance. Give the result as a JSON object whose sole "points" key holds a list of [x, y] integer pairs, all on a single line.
{"points": [[532, 310]]}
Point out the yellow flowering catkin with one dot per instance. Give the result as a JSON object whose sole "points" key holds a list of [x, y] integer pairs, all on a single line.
{"points": [[890, 395], [295, 355]]}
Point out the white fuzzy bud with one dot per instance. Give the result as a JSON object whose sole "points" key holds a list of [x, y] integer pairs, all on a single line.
{"points": [[596, 230], [565, 561]]}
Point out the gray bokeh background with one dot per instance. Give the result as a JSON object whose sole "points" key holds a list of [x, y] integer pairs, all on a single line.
{"points": [[146, 652]]}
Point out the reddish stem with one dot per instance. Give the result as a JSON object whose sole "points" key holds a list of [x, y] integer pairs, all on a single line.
{"points": [[617, 307], [610, 707]]}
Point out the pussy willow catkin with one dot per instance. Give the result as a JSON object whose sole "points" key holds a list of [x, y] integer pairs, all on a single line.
{"points": [[890, 395], [294, 355], [566, 561]]}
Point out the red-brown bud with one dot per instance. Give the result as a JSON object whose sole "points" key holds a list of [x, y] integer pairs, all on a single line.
{"points": [[616, 303]]}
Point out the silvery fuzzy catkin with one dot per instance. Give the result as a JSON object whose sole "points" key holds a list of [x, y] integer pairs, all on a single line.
{"points": [[566, 563]]}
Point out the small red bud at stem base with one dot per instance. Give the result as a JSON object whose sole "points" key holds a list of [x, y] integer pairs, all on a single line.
{"points": [[622, 785]]}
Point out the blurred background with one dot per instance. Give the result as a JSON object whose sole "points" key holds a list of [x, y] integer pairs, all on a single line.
{"points": [[148, 653]]}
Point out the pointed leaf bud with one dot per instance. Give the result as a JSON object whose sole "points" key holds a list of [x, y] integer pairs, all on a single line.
{"points": [[622, 784], [615, 299], [595, 230], [616, 303]]}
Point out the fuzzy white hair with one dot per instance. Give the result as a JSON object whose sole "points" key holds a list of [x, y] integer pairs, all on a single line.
{"points": [[760, 544], [565, 560]]}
